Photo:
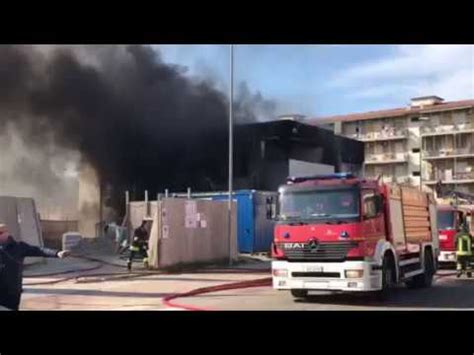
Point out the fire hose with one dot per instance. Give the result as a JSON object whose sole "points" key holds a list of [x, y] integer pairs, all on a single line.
{"points": [[122, 275], [167, 301], [126, 275], [100, 264]]}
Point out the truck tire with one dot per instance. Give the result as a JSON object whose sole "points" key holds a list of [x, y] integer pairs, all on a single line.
{"points": [[387, 279], [299, 293], [425, 279]]}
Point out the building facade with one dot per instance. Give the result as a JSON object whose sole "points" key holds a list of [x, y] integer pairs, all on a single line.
{"points": [[428, 141]]}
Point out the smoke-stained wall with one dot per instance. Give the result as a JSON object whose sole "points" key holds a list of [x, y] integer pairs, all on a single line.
{"points": [[265, 150]]}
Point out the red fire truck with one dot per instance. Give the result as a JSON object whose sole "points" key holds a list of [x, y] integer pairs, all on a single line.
{"points": [[340, 233], [450, 217]]}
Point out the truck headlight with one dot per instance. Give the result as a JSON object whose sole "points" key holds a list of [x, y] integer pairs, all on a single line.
{"points": [[280, 272], [354, 274]]}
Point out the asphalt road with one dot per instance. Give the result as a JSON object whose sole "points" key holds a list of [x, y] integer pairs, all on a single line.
{"points": [[148, 292], [447, 292]]}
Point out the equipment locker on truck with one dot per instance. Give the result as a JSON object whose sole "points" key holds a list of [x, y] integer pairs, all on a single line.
{"points": [[340, 233]]}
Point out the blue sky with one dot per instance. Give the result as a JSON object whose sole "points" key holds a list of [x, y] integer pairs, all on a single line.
{"points": [[322, 80]]}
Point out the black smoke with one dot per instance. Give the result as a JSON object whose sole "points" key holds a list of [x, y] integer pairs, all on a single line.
{"points": [[140, 122]]}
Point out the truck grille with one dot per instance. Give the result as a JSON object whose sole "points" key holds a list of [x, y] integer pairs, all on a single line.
{"points": [[325, 251], [316, 274]]}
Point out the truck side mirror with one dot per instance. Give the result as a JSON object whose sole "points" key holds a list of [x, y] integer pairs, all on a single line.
{"points": [[271, 208]]}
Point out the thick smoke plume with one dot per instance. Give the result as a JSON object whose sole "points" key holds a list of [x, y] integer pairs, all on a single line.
{"points": [[140, 122]]}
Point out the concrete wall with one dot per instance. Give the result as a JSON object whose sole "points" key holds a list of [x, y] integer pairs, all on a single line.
{"points": [[188, 231]]}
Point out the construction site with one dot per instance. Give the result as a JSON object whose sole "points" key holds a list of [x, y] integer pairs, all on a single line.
{"points": [[131, 167]]}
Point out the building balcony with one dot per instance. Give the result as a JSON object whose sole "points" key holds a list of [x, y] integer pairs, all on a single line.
{"points": [[447, 129], [448, 154], [384, 135], [383, 178], [391, 179], [457, 178], [386, 158], [404, 180]]}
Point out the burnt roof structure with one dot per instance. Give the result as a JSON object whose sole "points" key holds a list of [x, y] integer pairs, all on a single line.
{"points": [[263, 152]]}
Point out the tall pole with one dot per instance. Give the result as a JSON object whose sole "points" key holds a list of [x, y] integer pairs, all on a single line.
{"points": [[101, 209], [231, 114]]}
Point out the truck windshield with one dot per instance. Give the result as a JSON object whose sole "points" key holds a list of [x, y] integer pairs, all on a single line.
{"points": [[445, 220], [319, 204]]}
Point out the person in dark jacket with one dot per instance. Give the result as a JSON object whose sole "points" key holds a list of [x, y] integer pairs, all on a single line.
{"points": [[12, 254]]}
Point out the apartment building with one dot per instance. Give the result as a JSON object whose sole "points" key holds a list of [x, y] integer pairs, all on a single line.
{"points": [[427, 141]]}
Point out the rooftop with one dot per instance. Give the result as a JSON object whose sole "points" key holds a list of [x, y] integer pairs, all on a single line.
{"points": [[395, 112], [434, 97], [291, 116]]}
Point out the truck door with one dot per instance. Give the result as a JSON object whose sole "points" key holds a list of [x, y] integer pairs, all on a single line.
{"points": [[373, 224], [395, 219]]}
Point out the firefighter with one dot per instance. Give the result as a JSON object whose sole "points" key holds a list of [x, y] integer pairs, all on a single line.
{"points": [[12, 254], [139, 244], [463, 251]]}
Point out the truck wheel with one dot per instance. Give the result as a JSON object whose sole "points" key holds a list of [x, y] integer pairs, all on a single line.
{"points": [[299, 293], [425, 279], [387, 279]]}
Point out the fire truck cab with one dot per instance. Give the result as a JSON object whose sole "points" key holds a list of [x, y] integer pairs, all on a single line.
{"points": [[450, 217], [340, 233]]}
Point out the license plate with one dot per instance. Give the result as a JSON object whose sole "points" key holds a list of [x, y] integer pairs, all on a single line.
{"points": [[314, 268], [316, 285]]}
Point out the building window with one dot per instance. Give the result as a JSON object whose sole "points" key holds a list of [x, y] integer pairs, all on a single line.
{"points": [[416, 173], [415, 119], [415, 150]]}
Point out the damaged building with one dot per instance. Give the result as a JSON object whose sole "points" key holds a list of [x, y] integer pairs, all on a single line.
{"points": [[265, 154], [139, 123]]}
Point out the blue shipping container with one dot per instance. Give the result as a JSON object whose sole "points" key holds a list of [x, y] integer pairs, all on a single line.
{"points": [[254, 223]]}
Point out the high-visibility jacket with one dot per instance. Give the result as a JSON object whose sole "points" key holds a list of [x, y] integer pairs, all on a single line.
{"points": [[463, 244]]}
